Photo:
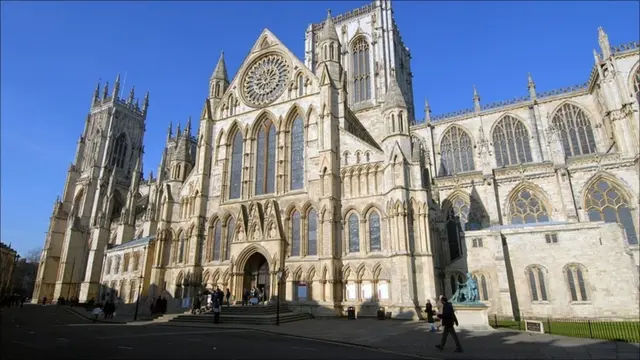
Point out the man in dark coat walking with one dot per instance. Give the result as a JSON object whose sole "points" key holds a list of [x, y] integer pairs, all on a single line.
{"points": [[448, 319]]}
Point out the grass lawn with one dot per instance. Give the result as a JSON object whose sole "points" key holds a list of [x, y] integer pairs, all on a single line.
{"points": [[607, 330]]}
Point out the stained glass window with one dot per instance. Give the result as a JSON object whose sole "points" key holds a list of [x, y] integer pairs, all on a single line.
{"points": [[354, 234], [297, 154], [295, 234], [361, 71], [236, 167], [265, 159], [456, 152], [574, 273], [374, 232], [575, 129], [511, 142], [231, 228], [605, 202], [312, 233], [526, 208], [182, 247], [537, 284]]}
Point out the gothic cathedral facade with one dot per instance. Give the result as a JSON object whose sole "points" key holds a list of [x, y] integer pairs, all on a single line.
{"points": [[312, 181]]}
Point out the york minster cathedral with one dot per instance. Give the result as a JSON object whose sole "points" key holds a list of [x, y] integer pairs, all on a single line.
{"points": [[312, 181]]}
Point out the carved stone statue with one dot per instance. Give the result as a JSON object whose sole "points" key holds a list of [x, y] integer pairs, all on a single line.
{"points": [[467, 292], [272, 231], [240, 234], [256, 234]]}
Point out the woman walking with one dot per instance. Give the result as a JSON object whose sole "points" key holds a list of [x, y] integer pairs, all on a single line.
{"points": [[430, 319]]}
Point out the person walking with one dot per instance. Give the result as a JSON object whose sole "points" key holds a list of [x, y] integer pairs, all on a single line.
{"points": [[448, 319], [429, 310], [439, 310]]}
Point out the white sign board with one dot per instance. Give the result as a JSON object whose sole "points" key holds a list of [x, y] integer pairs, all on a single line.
{"points": [[367, 290], [383, 290], [302, 291], [351, 291], [534, 326]]}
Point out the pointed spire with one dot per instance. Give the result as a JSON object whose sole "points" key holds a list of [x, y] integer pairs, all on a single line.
{"points": [[394, 97], [329, 30], [603, 40], [596, 57], [105, 91], [187, 129], [145, 104], [220, 72], [170, 130], [116, 88], [132, 95], [178, 130], [427, 111], [476, 100], [96, 93], [531, 86]]}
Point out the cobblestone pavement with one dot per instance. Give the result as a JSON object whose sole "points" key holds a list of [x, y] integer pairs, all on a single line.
{"points": [[410, 337]]}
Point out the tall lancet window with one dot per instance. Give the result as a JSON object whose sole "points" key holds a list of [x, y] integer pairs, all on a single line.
{"points": [[312, 233], [361, 71], [374, 232], [231, 229], [456, 152], [235, 180], [295, 234], [511, 142], [119, 151], [217, 241], [576, 131], [354, 233], [182, 244], [266, 158], [297, 154]]}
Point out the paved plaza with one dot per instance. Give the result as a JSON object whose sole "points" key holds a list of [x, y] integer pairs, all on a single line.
{"points": [[63, 333]]}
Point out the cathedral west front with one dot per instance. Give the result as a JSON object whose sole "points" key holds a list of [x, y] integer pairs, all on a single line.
{"points": [[311, 180]]}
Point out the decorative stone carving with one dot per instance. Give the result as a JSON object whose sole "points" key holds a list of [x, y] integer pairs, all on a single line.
{"points": [[240, 236], [266, 80], [272, 231]]}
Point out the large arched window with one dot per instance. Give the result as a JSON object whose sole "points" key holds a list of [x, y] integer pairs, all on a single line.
{"points": [[537, 283], [266, 158], [119, 151], [235, 180], [231, 228], [606, 202], [374, 232], [574, 275], [575, 129], [181, 247], [527, 208], [456, 152], [217, 241], [511, 142], [354, 233], [295, 234], [483, 289], [297, 154], [361, 71], [312, 233], [636, 84]]}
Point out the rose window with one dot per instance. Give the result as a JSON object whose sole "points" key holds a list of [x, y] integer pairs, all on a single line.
{"points": [[266, 80]]}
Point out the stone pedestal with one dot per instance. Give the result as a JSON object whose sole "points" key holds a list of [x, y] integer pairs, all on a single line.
{"points": [[472, 317]]}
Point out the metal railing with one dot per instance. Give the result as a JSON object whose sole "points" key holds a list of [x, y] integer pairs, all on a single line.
{"points": [[627, 330]]}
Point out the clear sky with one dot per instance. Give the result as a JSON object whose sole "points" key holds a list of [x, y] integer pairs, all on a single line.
{"points": [[54, 52]]}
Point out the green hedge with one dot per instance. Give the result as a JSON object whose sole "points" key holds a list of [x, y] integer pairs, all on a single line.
{"points": [[627, 331]]}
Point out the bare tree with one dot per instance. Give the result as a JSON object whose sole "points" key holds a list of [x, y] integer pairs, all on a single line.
{"points": [[33, 255]]}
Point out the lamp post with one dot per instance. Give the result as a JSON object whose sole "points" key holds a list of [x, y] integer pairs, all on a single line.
{"points": [[279, 276]]}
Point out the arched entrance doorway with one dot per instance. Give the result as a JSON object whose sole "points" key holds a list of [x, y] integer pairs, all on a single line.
{"points": [[256, 274]]}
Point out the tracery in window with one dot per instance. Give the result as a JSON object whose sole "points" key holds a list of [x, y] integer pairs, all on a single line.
{"points": [[575, 274], [537, 283], [235, 180], [354, 233], [575, 129], [361, 71], [231, 228], [527, 208], [295, 234], [217, 241], [312, 233], [462, 216], [266, 158], [606, 202], [297, 154], [511, 142], [374, 232], [456, 152], [119, 151]]}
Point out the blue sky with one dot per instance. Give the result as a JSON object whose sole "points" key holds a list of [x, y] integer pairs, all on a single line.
{"points": [[54, 52]]}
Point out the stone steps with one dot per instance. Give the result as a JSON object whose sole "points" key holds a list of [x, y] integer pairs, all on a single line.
{"points": [[254, 310], [225, 318]]}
